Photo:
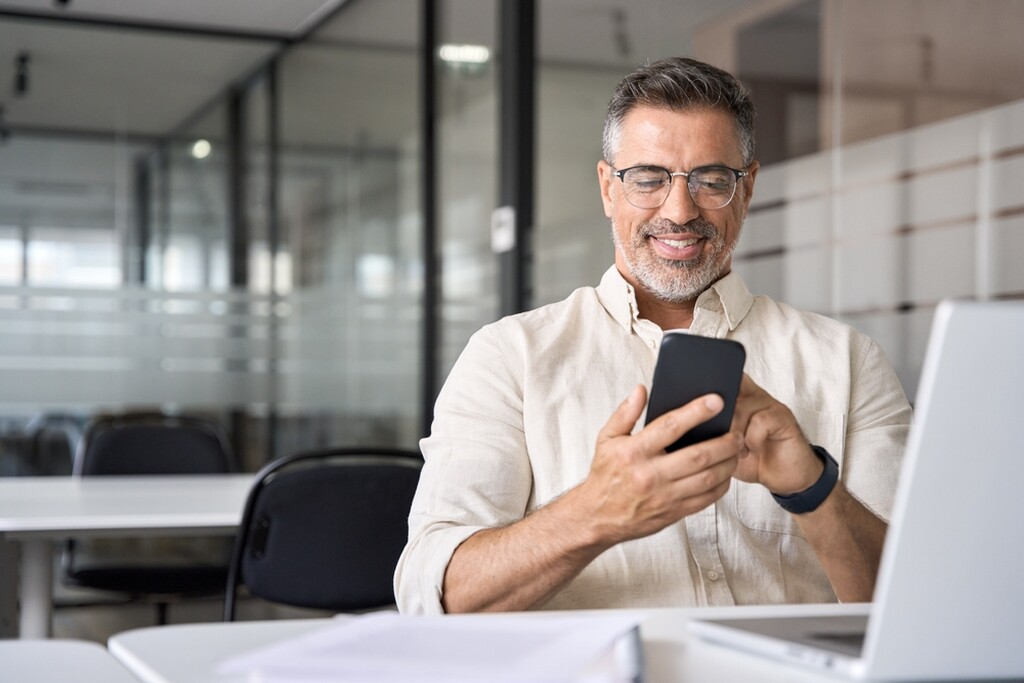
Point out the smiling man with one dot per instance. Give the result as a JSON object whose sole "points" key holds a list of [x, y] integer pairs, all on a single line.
{"points": [[543, 489]]}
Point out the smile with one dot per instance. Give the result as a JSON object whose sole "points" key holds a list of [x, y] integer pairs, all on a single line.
{"points": [[680, 244]]}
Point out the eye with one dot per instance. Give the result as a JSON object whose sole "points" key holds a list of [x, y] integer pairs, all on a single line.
{"points": [[713, 179], [646, 179]]}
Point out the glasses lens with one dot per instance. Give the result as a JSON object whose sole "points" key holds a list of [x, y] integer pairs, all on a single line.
{"points": [[646, 186], [711, 187]]}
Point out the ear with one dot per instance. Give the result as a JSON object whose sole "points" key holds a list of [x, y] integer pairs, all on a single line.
{"points": [[605, 179], [748, 184]]}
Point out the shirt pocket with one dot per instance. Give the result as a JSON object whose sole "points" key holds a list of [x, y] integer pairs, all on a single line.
{"points": [[755, 507]]}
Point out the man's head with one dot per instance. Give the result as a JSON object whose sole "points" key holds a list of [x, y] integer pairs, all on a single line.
{"points": [[675, 239]]}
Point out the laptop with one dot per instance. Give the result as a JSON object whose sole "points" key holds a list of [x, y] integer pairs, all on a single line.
{"points": [[949, 599]]}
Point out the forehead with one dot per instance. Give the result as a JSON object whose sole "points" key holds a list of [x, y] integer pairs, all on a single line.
{"points": [[678, 139]]}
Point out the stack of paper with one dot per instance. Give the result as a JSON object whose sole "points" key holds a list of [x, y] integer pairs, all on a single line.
{"points": [[385, 646]]}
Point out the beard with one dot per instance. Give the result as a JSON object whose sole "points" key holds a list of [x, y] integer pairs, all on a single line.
{"points": [[670, 280]]}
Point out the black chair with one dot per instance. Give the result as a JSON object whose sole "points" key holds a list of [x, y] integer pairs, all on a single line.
{"points": [[324, 529], [158, 569]]}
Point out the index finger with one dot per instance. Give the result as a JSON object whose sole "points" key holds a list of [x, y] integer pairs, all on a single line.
{"points": [[659, 434]]}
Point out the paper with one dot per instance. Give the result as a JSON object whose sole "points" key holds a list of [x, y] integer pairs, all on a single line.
{"points": [[384, 646]]}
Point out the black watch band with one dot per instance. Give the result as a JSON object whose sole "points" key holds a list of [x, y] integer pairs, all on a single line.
{"points": [[810, 498]]}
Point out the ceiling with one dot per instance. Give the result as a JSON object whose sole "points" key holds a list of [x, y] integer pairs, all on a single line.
{"points": [[142, 67], [107, 72]]}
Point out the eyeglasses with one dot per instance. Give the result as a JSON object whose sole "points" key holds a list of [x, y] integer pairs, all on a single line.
{"points": [[710, 187]]}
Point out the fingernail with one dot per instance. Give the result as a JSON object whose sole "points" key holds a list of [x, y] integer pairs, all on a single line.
{"points": [[713, 401]]}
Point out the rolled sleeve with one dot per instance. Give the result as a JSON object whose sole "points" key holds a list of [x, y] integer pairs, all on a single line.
{"points": [[477, 472]]}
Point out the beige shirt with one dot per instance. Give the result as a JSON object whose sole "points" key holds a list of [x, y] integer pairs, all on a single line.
{"points": [[516, 424]]}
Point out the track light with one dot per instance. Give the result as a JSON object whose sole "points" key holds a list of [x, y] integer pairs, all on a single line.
{"points": [[21, 74]]}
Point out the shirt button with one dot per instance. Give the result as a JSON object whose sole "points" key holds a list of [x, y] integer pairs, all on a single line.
{"points": [[713, 575]]}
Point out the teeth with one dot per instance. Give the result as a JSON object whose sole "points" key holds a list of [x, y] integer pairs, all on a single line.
{"points": [[679, 244]]}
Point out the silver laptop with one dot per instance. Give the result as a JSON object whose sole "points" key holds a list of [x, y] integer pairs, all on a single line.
{"points": [[949, 601]]}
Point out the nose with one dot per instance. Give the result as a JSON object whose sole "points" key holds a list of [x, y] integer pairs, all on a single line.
{"points": [[679, 207]]}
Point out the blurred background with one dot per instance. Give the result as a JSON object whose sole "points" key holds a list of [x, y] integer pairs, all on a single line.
{"points": [[281, 214]]}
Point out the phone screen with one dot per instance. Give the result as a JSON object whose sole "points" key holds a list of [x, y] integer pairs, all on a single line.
{"points": [[689, 366]]}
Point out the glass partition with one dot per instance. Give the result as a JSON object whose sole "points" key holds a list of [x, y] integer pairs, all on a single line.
{"points": [[350, 230], [467, 170]]}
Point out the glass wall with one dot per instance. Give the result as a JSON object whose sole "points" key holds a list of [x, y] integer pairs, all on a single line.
{"points": [[277, 289], [351, 232], [467, 170]]}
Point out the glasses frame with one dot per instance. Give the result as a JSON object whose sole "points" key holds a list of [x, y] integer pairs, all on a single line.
{"points": [[739, 173]]}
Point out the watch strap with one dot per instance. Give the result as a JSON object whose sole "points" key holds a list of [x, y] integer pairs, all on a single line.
{"points": [[810, 498]]}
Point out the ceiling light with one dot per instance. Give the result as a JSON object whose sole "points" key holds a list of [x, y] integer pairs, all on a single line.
{"points": [[465, 54], [201, 149]]}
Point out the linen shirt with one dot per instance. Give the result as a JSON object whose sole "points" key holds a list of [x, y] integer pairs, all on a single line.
{"points": [[516, 425]]}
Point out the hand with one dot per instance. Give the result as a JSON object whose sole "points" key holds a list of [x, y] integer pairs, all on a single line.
{"points": [[775, 453], [635, 488]]}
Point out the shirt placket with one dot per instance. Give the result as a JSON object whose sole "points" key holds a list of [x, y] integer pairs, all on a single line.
{"points": [[702, 526], [702, 530]]}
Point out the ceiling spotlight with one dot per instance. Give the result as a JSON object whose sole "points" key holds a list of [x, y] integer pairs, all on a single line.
{"points": [[21, 74], [465, 59], [201, 149], [464, 54]]}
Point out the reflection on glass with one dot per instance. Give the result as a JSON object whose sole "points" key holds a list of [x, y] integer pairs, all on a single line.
{"points": [[350, 238], [467, 173]]}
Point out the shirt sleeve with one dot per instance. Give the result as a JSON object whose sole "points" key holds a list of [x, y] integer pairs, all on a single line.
{"points": [[477, 472], [876, 434]]}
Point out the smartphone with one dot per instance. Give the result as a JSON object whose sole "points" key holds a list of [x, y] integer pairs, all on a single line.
{"points": [[690, 366]]}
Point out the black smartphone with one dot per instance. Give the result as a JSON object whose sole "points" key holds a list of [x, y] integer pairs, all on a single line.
{"points": [[690, 366]]}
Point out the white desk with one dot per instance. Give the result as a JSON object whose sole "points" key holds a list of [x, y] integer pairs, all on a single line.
{"points": [[155, 654], [59, 661], [36, 511]]}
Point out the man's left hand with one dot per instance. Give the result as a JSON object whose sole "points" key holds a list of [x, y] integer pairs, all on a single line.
{"points": [[777, 453]]}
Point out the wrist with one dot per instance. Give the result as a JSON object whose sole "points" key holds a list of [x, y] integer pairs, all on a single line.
{"points": [[813, 496]]}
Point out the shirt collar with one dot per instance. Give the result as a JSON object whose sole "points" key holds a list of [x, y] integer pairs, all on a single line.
{"points": [[618, 298], [729, 295]]}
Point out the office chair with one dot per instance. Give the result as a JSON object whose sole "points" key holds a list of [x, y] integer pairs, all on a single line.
{"points": [[159, 569], [324, 529]]}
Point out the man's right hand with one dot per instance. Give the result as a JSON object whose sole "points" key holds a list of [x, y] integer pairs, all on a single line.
{"points": [[635, 488]]}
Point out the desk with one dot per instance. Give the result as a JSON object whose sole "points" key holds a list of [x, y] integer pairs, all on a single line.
{"points": [[36, 511], [58, 661], [154, 654]]}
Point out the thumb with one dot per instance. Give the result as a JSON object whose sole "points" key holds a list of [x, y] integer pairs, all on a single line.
{"points": [[625, 416]]}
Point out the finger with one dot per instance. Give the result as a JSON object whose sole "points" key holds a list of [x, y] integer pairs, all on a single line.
{"points": [[704, 487], [662, 432], [623, 420], [701, 457], [750, 400]]}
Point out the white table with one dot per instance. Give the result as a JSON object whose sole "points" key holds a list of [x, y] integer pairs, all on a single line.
{"points": [[59, 661], [36, 511], [154, 654]]}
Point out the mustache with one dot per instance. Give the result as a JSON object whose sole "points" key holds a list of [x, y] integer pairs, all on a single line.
{"points": [[698, 226]]}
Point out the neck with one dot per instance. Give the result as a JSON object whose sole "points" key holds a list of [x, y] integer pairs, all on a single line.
{"points": [[668, 315]]}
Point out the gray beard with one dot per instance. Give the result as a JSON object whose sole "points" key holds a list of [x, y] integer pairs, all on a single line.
{"points": [[675, 281]]}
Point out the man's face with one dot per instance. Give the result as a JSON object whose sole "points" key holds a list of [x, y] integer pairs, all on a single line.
{"points": [[677, 250]]}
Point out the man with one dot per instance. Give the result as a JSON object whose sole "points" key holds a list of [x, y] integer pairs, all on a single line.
{"points": [[533, 497]]}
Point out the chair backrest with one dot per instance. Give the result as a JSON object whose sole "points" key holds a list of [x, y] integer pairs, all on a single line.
{"points": [[324, 529], [152, 443]]}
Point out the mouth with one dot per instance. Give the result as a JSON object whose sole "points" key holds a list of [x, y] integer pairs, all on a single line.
{"points": [[677, 247]]}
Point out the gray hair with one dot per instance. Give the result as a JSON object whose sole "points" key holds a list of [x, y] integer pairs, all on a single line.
{"points": [[680, 84]]}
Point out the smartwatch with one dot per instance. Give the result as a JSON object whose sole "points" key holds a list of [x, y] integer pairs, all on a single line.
{"points": [[810, 498]]}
